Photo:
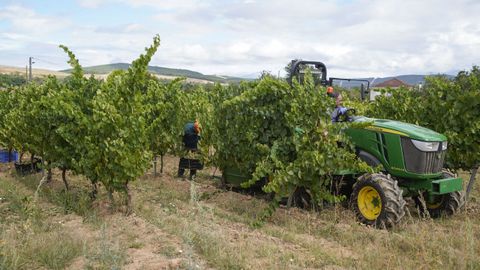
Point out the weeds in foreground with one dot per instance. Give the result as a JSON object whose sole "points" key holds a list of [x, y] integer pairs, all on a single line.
{"points": [[29, 239], [108, 254]]}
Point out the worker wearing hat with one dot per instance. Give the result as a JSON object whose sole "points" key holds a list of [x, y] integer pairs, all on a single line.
{"points": [[191, 136], [339, 109]]}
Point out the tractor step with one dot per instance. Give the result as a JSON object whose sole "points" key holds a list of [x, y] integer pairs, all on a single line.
{"points": [[447, 185]]}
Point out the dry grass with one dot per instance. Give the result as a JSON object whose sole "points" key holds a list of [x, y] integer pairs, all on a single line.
{"points": [[220, 225], [36, 72], [195, 225], [28, 238]]}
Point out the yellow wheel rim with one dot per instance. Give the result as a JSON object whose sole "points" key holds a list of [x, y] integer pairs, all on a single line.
{"points": [[435, 205], [369, 202]]}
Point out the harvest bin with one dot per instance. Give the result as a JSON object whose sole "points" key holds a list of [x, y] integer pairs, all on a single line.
{"points": [[5, 157], [234, 176], [188, 163]]}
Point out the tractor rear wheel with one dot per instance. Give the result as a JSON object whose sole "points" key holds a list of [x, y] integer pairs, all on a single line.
{"points": [[445, 204], [377, 200]]}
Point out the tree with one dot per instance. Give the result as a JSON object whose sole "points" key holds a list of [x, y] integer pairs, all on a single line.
{"points": [[9, 80]]}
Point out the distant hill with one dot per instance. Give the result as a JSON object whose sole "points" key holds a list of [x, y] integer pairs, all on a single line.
{"points": [[163, 71], [409, 79], [194, 76]]}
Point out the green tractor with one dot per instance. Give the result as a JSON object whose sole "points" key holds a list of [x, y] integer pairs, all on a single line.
{"points": [[411, 159]]}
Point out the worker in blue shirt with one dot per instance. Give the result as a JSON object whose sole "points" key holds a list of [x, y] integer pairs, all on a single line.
{"points": [[191, 136], [339, 109]]}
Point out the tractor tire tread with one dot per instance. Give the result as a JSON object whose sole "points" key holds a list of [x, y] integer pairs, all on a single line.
{"points": [[394, 205], [453, 202]]}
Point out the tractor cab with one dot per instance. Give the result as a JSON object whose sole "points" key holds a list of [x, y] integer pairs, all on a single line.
{"points": [[318, 70]]}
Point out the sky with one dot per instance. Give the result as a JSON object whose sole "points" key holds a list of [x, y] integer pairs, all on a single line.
{"points": [[354, 38]]}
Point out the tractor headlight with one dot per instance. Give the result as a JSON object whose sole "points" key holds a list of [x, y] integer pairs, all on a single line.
{"points": [[426, 146], [444, 145]]}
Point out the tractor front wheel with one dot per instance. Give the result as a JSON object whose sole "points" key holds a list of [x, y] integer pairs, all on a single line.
{"points": [[377, 200], [445, 204]]}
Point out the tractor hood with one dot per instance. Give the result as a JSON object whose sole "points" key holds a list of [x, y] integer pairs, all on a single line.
{"points": [[402, 129]]}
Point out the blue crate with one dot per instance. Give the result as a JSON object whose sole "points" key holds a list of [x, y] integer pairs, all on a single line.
{"points": [[4, 156]]}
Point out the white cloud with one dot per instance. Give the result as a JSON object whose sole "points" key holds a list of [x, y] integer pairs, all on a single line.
{"points": [[167, 4], [354, 38], [91, 3], [30, 21], [11, 41]]}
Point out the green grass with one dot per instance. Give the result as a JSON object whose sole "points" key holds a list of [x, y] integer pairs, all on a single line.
{"points": [[77, 200], [53, 250], [27, 236]]}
